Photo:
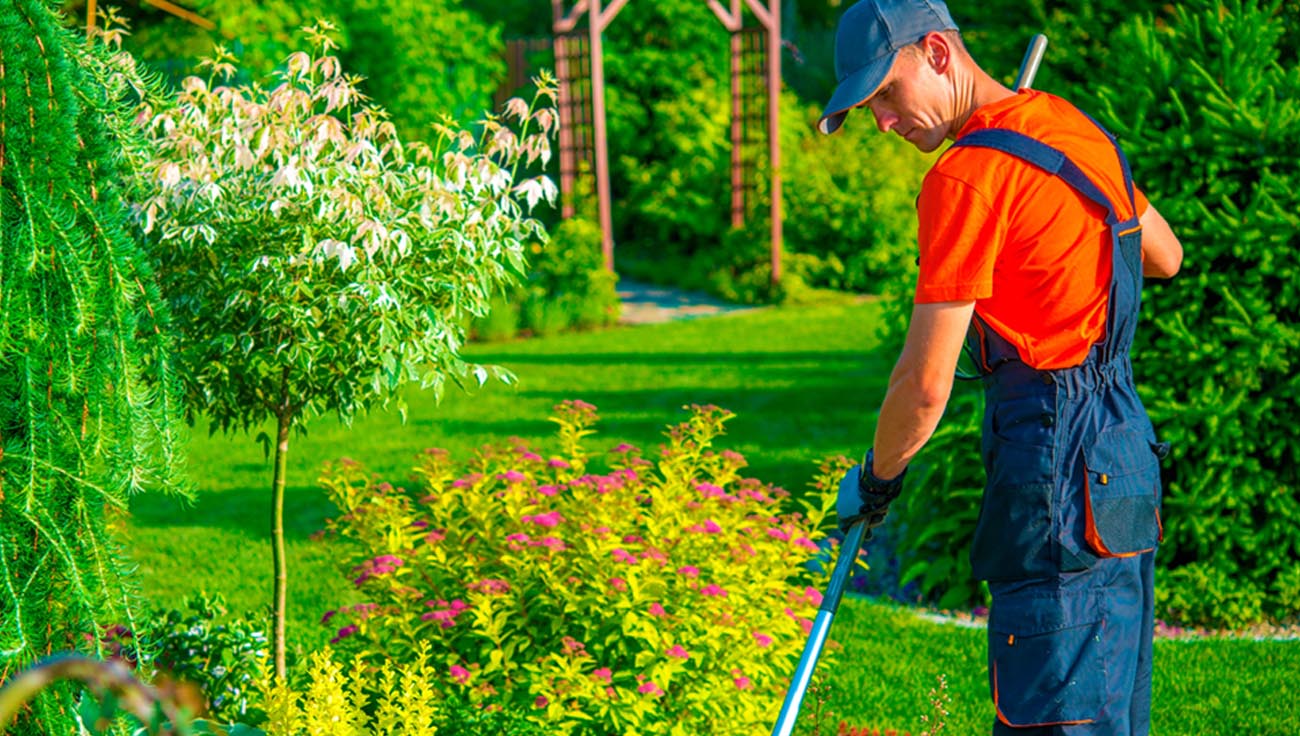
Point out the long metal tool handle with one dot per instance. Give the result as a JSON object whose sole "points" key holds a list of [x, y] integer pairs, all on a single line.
{"points": [[1029, 65], [820, 629]]}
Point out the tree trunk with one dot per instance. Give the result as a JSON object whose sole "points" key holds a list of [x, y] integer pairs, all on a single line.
{"points": [[284, 420]]}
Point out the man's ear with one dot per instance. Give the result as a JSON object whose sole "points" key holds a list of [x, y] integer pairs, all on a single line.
{"points": [[938, 52]]}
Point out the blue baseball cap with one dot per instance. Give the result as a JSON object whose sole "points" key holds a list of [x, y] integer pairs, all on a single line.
{"points": [[868, 38]]}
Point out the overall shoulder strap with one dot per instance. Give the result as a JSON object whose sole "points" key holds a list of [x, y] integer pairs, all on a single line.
{"points": [[1045, 157]]}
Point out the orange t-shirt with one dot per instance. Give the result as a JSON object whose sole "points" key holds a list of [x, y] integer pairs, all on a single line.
{"points": [[1033, 253]]}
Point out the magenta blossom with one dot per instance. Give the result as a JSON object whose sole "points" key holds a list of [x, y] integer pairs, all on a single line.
{"points": [[649, 688], [689, 571], [657, 609], [540, 702], [678, 652], [713, 590], [743, 683], [548, 519], [512, 476], [556, 462], [467, 480], [708, 490], [491, 586], [445, 613], [548, 489], [381, 565], [777, 534], [344, 633], [763, 640], [554, 544], [603, 675], [623, 555], [624, 448], [708, 527], [459, 674]]}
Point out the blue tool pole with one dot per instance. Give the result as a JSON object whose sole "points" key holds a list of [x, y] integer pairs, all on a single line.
{"points": [[820, 629]]}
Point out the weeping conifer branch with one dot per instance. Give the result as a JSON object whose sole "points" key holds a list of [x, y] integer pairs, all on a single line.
{"points": [[89, 408]]}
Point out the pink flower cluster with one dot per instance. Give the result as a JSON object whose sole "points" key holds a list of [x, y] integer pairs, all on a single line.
{"points": [[490, 586], [709, 526], [381, 565], [548, 519], [444, 613]]}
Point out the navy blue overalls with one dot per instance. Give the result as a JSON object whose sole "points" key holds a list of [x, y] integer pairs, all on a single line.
{"points": [[1070, 517]]}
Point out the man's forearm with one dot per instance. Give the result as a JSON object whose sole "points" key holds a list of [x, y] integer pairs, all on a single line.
{"points": [[908, 418], [920, 384]]}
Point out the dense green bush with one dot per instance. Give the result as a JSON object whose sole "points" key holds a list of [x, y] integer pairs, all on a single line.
{"points": [[190, 645], [849, 218], [423, 60], [566, 288], [849, 199], [1210, 132], [660, 595], [1212, 135]]}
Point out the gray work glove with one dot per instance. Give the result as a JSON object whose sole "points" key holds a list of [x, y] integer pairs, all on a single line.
{"points": [[864, 497]]}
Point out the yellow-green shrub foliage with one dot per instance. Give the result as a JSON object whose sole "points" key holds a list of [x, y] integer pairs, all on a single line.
{"points": [[667, 596], [397, 698]]}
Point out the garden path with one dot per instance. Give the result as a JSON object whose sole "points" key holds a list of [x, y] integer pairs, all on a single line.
{"points": [[650, 303]]}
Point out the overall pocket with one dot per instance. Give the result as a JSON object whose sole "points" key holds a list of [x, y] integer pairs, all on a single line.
{"points": [[1013, 535], [1122, 494], [1047, 666]]}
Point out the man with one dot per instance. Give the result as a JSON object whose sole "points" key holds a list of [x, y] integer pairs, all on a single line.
{"points": [[1033, 245]]}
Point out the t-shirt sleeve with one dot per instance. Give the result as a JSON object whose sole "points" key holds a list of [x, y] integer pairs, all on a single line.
{"points": [[959, 239], [1140, 202]]}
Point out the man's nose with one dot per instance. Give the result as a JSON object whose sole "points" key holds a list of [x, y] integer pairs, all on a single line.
{"points": [[885, 120]]}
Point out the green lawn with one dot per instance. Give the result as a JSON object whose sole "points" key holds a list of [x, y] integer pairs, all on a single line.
{"points": [[804, 383]]}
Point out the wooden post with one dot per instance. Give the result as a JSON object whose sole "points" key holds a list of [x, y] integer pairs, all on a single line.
{"points": [[561, 26], [594, 28], [774, 131], [770, 18], [737, 174]]}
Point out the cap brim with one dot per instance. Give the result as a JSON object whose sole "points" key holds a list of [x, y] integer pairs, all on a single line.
{"points": [[855, 88]]}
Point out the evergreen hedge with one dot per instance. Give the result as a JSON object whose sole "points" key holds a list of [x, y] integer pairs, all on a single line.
{"points": [[89, 412], [1211, 132]]}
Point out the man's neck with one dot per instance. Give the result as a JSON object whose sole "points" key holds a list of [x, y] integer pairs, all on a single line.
{"points": [[972, 90]]}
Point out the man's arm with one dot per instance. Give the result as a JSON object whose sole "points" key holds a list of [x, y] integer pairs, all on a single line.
{"points": [[1162, 254], [920, 385]]}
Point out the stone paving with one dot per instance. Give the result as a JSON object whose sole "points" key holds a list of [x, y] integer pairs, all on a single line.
{"points": [[649, 304]]}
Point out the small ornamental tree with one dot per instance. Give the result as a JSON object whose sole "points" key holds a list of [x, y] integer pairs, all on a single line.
{"points": [[89, 410], [313, 260]]}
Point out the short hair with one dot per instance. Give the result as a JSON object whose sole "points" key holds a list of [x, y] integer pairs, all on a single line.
{"points": [[952, 35]]}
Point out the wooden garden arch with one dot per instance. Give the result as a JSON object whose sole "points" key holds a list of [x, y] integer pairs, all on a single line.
{"points": [[598, 18], [170, 7]]}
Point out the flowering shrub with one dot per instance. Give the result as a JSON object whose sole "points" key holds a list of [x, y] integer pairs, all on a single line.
{"points": [[660, 596]]}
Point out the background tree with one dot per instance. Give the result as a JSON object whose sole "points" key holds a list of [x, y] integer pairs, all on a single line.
{"points": [[314, 262], [89, 412], [423, 61]]}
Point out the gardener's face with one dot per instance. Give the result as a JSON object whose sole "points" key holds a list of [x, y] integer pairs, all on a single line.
{"points": [[912, 100]]}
